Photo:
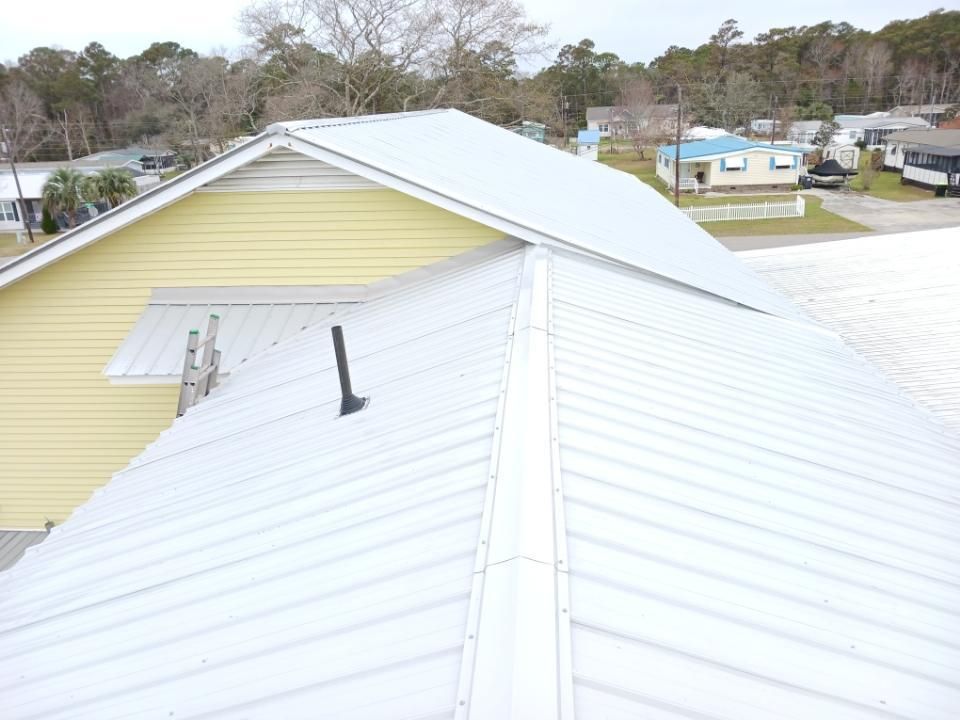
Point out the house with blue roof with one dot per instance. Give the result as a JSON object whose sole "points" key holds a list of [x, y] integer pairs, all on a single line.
{"points": [[588, 144], [732, 164]]}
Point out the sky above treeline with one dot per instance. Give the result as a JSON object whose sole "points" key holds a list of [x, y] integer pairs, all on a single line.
{"points": [[637, 30]]}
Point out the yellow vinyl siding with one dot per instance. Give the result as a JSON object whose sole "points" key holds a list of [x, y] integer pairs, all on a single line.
{"points": [[63, 427]]}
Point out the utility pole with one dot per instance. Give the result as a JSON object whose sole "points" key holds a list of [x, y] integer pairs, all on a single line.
{"points": [[773, 116], [24, 215], [676, 152]]}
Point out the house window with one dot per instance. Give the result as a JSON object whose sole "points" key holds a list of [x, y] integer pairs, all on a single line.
{"points": [[8, 211], [782, 161], [604, 127], [852, 134]]}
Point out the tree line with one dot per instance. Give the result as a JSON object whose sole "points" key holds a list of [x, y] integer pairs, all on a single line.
{"points": [[327, 58]]}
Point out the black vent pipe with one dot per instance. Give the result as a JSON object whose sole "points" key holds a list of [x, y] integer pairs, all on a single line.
{"points": [[349, 403]]}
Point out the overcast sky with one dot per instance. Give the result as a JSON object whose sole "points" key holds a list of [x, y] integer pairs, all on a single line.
{"points": [[634, 29]]}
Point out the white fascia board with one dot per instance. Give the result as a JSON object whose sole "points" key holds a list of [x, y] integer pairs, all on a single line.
{"points": [[139, 207]]}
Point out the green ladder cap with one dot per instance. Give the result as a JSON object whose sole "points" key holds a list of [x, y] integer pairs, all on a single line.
{"points": [[194, 332], [214, 315], [194, 367]]}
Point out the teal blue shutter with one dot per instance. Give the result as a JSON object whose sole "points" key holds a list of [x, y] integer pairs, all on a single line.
{"points": [[773, 163], [794, 163], [744, 168], [723, 165]]}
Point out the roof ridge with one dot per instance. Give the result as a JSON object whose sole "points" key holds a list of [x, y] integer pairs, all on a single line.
{"points": [[318, 123]]}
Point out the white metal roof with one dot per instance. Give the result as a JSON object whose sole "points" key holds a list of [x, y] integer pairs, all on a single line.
{"points": [[533, 192], [13, 543], [154, 348], [894, 298], [578, 491], [475, 169]]}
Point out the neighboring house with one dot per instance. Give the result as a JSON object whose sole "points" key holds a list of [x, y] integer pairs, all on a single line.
{"points": [[620, 122], [307, 214], [149, 160], [871, 130], [845, 153], [588, 144], [531, 130], [761, 125], [704, 132], [730, 163], [804, 131], [895, 145], [931, 112], [894, 298], [933, 167], [33, 176], [584, 486]]}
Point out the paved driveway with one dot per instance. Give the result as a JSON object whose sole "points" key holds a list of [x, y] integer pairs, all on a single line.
{"points": [[888, 216]]}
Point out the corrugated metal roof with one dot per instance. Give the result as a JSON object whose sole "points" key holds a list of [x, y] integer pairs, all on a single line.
{"points": [[588, 137], [894, 298], [13, 543], [578, 490], [156, 344], [525, 188]]}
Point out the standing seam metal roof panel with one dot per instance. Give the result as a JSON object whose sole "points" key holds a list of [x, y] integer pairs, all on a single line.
{"points": [[759, 524], [14, 543], [578, 490], [263, 557], [586, 206]]}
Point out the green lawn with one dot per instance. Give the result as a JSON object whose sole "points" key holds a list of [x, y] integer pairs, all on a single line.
{"points": [[886, 185], [9, 247], [816, 220]]}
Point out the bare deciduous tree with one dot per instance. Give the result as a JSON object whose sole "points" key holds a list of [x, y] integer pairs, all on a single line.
{"points": [[22, 114]]}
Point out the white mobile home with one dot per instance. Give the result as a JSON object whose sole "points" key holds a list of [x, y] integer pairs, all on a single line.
{"points": [[896, 145]]}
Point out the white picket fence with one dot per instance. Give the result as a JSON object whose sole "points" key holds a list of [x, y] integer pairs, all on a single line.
{"points": [[752, 211]]}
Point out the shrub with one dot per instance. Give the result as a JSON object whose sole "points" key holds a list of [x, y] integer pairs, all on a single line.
{"points": [[48, 224], [867, 176]]}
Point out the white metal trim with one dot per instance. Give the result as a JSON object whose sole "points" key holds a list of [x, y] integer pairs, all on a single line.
{"points": [[515, 670]]}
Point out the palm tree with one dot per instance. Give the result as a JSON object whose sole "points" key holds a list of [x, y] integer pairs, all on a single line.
{"points": [[63, 192], [112, 185]]}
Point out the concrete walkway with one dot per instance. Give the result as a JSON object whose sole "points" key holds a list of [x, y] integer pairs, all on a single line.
{"points": [[888, 216]]}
